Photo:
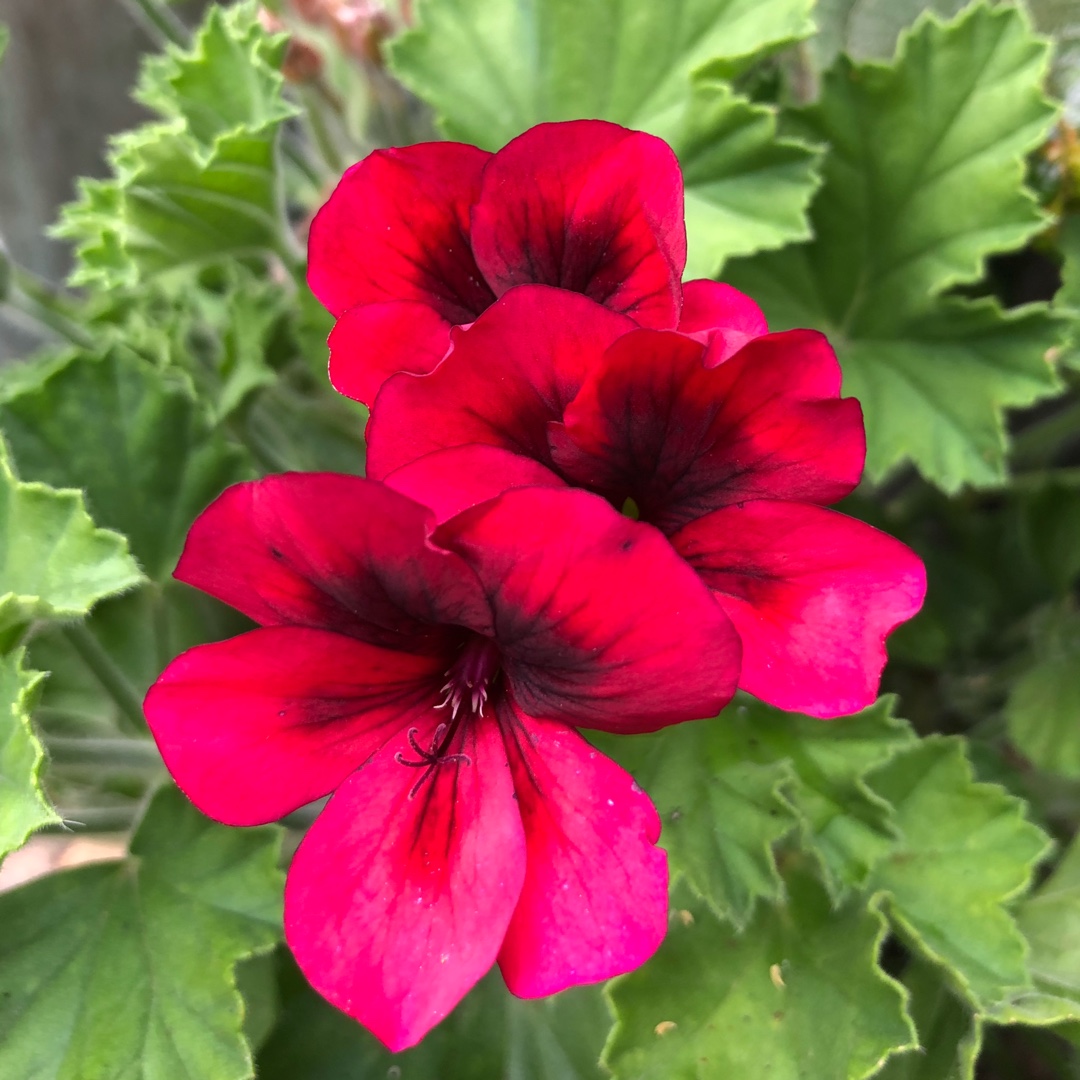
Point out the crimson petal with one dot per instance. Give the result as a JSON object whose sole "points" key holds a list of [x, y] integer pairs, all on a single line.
{"points": [[813, 595], [332, 551], [587, 206], [254, 727], [595, 898], [720, 316], [396, 905], [371, 342], [397, 228], [652, 422], [599, 622], [507, 376]]}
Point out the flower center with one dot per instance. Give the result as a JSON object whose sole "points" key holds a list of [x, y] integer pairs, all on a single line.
{"points": [[465, 692]]}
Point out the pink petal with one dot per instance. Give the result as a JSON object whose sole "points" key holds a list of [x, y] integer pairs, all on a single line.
{"points": [[253, 727], [588, 206], [721, 317], [595, 899], [396, 906], [506, 377], [397, 228], [599, 622], [331, 551], [450, 481], [653, 423], [371, 342], [813, 595]]}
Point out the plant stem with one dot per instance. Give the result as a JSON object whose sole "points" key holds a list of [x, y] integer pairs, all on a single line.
{"points": [[159, 20], [115, 682], [124, 753], [36, 300]]}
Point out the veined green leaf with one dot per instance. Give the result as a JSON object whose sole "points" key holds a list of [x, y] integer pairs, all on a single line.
{"points": [[798, 994], [125, 969], [924, 179], [967, 850], [23, 807]]}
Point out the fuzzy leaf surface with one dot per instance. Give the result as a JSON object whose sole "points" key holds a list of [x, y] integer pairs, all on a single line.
{"points": [[923, 180], [125, 969]]}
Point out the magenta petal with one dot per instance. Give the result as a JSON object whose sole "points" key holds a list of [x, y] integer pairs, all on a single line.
{"points": [[813, 595], [654, 423], [599, 622], [331, 551], [450, 481], [595, 899], [721, 317], [397, 228], [254, 727], [587, 206], [396, 906], [507, 376], [371, 342]]}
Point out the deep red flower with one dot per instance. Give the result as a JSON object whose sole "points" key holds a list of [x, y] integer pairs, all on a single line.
{"points": [[432, 681], [418, 239], [729, 439]]}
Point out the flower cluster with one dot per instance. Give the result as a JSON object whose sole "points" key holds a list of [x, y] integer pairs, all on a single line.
{"points": [[596, 499]]}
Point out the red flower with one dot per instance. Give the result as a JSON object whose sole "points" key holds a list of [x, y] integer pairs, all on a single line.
{"points": [[432, 682], [418, 239], [732, 448]]}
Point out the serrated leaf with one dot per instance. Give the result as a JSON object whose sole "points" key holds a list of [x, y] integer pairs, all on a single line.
{"points": [[54, 562], [23, 807], [490, 70], [204, 181], [950, 1036], [1043, 707], [967, 850], [490, 1034], [923, 181], [133, 438], [1050, 922], [746, 189], [125, 969], [728, 789], [797, 996]]}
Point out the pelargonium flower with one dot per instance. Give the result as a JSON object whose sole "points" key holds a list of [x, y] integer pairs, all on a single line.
{"points": [[732, 446], [432, 681], [417, 239]]}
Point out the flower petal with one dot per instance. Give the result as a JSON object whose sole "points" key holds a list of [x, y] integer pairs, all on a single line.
{"points": [[450, 481], [506, 377], [254, 727], [813, 595], [397, 228], [587, 206], [720, 316], [599, 623], [371, 342], [654, 423], [331, 551], [595, 898], [396, 906]]}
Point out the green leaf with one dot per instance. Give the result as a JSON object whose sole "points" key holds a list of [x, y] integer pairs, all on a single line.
{"points": [[54, 563], [125, 969], [1044, 700], [924, 180], [201, 183], [967, 850], [1050, 921], [133, 438], [746, 189], [729, 789], [1067, 300], [23, 807], [490, 1034], [797, 996], [490, 69], [950, 1037]]}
